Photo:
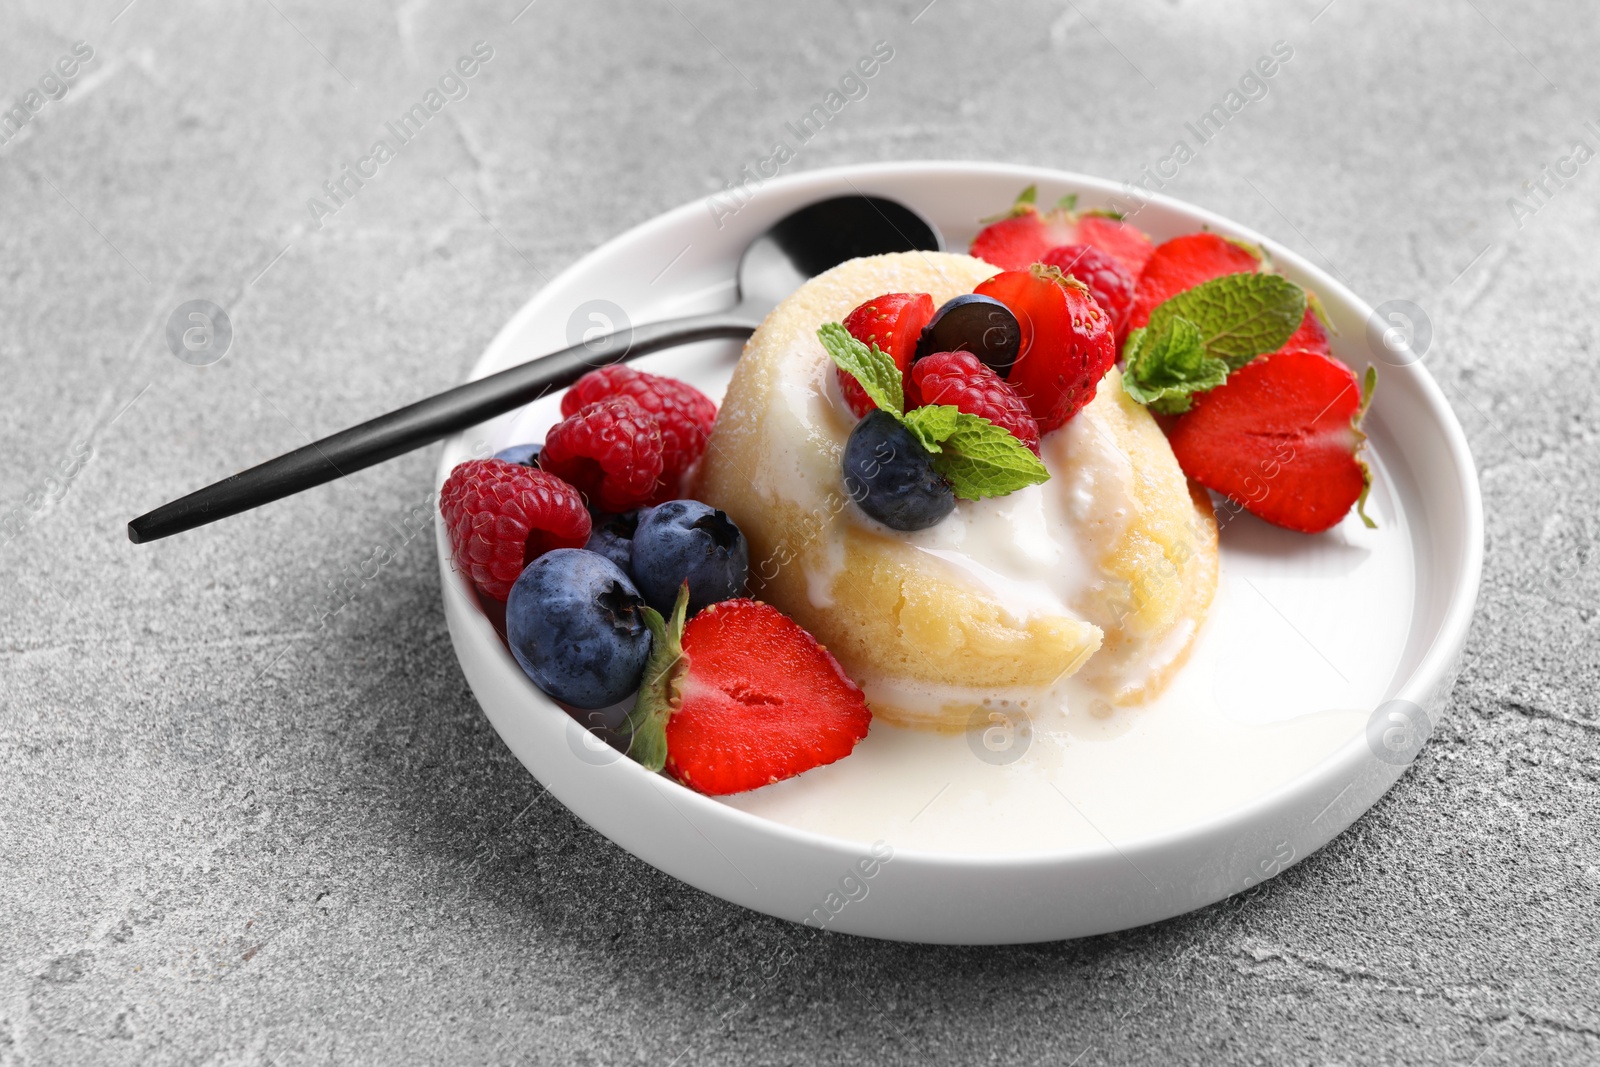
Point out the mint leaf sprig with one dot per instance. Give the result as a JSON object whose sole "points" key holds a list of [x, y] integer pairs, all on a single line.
{"points": [[1195, 338], [1164, 370], [1240, 316], [977, 457]]}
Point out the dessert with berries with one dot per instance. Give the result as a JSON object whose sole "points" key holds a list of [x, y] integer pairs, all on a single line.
{"points": [[937, 484]]}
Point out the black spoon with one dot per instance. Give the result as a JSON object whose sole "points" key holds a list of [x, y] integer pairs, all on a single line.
{"points": [[798, 246]]}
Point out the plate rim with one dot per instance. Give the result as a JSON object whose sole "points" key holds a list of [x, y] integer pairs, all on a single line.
{"points": [[1421, 686]]}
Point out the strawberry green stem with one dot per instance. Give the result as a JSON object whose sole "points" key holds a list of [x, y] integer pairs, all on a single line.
{"points": [[659, 692], [1369, 385]]}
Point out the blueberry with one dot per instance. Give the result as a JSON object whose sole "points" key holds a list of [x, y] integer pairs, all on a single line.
{"points": [[889, 473], [574, 622], [522, 455], [612, 537], [687, 540], [977, 324]]}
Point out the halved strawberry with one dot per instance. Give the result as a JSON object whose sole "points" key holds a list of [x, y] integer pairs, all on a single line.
{"points": [[1183, 263], [1025, 234], [1312, 336], [1067, 344], [1281, 437], [1125, 242], [893, 322], [740, 698]]}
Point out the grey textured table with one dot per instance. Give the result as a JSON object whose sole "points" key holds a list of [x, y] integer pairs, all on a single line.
{"points": [[249, 812]]}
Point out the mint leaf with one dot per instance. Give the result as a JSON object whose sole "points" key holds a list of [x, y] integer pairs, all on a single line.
{"points": [[879, 377], [1240, 316], [981, 459], [1164, 370], [933, 424], [977, 457], [658, 692]]}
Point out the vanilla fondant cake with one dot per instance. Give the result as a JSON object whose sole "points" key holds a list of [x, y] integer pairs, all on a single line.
{"points": [[1104, 572]]}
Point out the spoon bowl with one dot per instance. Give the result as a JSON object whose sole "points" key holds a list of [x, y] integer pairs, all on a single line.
{"points": [[804, 243]]}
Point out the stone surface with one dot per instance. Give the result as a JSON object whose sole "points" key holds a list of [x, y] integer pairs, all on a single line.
{"points": [[241, 827]]}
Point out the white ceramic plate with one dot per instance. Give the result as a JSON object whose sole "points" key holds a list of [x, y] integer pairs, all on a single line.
{"points": [[1316, 678]]}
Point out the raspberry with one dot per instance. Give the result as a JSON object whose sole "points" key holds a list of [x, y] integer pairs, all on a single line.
{"points": [[1108, 280], [502, 516], [610, 450], [962, 379], [684, 414]]}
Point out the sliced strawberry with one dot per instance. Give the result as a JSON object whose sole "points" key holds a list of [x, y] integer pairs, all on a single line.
{"points": [[1280, 436], [1067, 344], [1183, 263], [893, 322], [1025, 234], [740, 698], [1125, 242], [1019, 240]]}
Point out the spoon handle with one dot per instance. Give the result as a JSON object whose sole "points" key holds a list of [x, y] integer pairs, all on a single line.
{"points": [[424, 422]]}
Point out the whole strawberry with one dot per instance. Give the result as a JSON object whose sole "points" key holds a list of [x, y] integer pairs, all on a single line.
{"points": [[1108, 280], [740, 698], [1281, 437], [1067, 342], [611, 451], [502, 516], [683, 413], [963, 380]]}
